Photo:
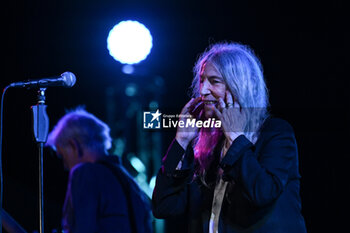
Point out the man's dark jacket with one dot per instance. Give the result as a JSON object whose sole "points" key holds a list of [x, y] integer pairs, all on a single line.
{"points": [[102, 197], [263, 191]]}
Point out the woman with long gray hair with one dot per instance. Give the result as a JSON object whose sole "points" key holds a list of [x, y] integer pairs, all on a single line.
{"points": [[242, 174]]}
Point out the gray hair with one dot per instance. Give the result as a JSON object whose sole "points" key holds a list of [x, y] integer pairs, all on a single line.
{"points": [[84, 127], [243, 75]]}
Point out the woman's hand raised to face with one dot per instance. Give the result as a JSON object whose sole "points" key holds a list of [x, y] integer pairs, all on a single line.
{"points": [[232, 117], [185, 134]]}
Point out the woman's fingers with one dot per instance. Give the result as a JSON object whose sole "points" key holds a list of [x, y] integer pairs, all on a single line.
{"points": [[218, 113], [190, 105], [187, 106], [228, 98], [221, 104]]}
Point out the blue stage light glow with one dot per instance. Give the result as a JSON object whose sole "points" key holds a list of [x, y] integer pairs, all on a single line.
{"points": [[128, 69], [129, 42]]}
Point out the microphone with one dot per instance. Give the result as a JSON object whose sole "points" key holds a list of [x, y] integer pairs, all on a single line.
{"points": [[67, 79]]}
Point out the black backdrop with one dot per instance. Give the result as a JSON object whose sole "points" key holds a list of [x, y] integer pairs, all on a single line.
{"points": [[301, 45]]}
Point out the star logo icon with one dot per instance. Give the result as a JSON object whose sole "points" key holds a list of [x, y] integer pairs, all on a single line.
{"points": [[151, 120], [155, 116]]}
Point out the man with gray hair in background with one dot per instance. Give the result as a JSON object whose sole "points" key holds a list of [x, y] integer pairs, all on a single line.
{"points": [[101, 196]]}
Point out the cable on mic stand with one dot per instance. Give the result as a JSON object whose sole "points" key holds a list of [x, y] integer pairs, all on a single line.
{"points": [[40, 129], [1, 173]]}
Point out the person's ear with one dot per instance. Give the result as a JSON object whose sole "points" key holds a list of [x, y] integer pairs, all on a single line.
{"points": [[76, 147]]}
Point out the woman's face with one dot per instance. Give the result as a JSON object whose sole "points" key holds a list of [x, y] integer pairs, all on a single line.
{"points": [[212, 87]]}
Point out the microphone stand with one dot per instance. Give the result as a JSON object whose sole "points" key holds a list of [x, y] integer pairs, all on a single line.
{"points": [[40, 128]]}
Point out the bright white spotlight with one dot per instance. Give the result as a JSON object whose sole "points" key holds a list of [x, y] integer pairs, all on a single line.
{"points": [[129, 42]]}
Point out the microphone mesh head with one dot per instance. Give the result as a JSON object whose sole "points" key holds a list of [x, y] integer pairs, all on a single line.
{"points": [[69, 79]]}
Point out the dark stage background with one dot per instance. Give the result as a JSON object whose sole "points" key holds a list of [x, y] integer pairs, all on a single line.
{"points": [[301, 45]]}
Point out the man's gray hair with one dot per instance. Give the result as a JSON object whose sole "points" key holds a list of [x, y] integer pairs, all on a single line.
{"points": [[83, 127]]}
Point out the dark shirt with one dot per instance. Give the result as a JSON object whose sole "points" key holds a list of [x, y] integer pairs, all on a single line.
{"points": [[95, 201], [262, 195]]}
